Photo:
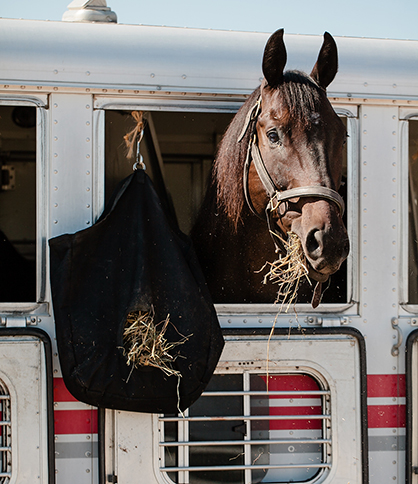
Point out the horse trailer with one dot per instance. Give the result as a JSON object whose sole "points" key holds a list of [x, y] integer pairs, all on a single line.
{"points": [[331, 394]]}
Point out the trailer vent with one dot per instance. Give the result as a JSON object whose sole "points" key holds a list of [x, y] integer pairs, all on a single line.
{"points": [[89, 11], [240, 431], [5, 435]]}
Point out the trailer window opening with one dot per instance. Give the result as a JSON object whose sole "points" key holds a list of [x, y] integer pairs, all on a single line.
{"points": [[241, 432], [178, 149], [413, 213], [18, 204]]}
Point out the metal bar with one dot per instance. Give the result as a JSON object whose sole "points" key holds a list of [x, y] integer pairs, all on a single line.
{"points": [[242, 417], [247, 436], [4, 423], [237, 393], [243, 467], [241, 442]]}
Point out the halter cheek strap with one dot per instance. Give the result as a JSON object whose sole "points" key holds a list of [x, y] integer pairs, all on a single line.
{"points": [[276, 196]]}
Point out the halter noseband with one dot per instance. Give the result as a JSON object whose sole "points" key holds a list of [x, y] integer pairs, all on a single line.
{"points": [[275, 195]]}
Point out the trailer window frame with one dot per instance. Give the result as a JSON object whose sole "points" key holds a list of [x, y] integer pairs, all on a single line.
{"points": [[40, 304], [406, 115], [230, 104]]}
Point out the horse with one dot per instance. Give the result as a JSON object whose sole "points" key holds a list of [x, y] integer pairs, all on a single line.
{"points": [[281, 155]]}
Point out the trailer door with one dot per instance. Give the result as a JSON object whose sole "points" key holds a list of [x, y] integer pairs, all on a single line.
{"points": [[298, 416]]}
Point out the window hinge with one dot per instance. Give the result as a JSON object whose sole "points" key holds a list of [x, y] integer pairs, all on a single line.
{"points": [[323, 321], [18, 321]]}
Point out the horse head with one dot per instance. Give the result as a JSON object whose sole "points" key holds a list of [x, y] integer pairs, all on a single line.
{"points": [[299, 139]]}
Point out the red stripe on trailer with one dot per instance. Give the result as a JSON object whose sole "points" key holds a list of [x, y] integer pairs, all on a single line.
{"points": [[76, 421], [61, 394], [299, 383], [292, 424], [386, 416], [386, 386]]}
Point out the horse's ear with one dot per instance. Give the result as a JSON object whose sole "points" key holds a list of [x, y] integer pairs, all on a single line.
{"points": [[274, 59], [327, 64]]}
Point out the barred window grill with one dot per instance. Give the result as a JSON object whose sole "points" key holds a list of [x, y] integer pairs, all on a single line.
{"points": [[241, 432], [5, 435]]}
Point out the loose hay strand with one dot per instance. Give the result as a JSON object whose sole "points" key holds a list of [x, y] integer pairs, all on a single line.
{"points": [[287, 271], [145, 343]]}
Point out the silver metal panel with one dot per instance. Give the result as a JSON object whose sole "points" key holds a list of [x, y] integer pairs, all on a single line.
{"points": [[152, 58], [71, 163], [379, 241]]}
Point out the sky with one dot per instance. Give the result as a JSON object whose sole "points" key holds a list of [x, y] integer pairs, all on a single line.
{"points": [[353, 18]]}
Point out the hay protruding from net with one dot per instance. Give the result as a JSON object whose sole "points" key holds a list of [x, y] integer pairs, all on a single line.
{"points": [[288, 271], [145, 343]]}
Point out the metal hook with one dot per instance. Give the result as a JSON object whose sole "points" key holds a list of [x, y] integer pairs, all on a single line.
{"points": [[139, 160]]}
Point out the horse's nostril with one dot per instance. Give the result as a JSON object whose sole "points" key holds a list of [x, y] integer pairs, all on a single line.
{"points": [[312, 242]]}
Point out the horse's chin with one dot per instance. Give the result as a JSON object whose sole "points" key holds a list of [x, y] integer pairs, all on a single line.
{"points": [[317, 276]]}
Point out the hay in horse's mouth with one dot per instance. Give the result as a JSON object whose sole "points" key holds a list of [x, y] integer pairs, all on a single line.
{"points": [[288, 271], [145, 343]]}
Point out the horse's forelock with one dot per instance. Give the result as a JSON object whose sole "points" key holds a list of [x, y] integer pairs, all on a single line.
{"points": [[298, 96]]}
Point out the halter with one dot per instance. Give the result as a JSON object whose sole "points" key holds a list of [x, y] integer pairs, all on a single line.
{"points": [[275, 195]]}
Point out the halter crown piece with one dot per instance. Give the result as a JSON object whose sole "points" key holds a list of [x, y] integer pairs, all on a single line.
{"points": [[276, 196]]}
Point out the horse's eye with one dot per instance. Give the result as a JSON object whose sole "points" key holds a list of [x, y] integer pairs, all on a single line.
{"points": [[345, 139], [273, 137]]}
